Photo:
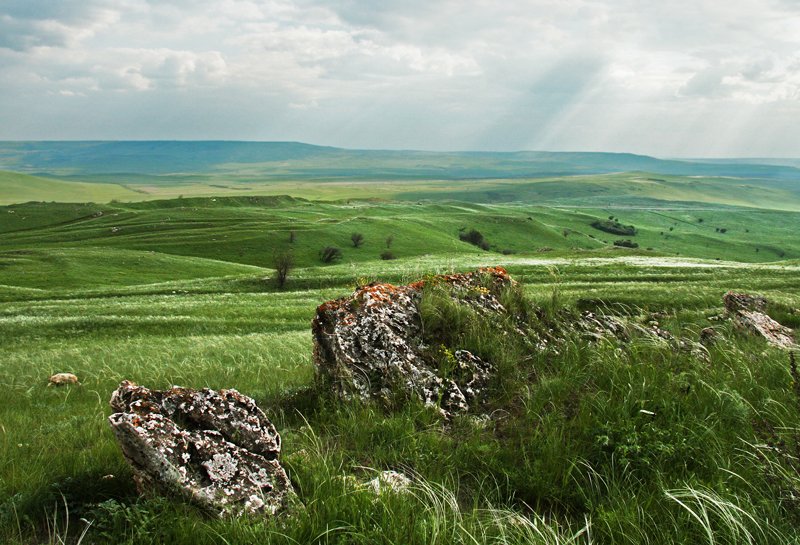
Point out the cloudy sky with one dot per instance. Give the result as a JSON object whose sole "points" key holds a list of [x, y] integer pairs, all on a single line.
{"points": [[698, 78]]}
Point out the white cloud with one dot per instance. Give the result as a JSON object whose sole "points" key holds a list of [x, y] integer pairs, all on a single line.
{"points": [[583, 74]]}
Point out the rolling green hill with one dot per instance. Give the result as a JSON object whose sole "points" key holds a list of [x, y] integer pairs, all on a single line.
{"points": [[16, 187], [46, 245], [613, 439]]}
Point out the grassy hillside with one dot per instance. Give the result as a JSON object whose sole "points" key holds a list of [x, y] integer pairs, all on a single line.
{"points": [[598, 442], [606, 443], [71, 267], [16, 187], [635, 189], [251, 230]]}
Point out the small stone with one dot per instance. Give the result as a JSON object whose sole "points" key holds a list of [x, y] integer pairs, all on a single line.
{"points": [[389, 481], [60, 379], [709, 336]]}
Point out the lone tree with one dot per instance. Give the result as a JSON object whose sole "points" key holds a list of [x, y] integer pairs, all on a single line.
{"points": [[292, 237], [357, 239], [389, 241], [329, 254], [283, 263]]}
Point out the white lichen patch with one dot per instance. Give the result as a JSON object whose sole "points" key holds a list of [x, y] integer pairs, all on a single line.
{"points": [[221, 467], [224, 460]]}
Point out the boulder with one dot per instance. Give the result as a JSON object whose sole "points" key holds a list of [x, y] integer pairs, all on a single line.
{"points": [[370, 345], [748, 315], [217, 450]]}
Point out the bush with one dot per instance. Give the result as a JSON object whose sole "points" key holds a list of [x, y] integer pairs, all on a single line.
{"points": [[329, 254], [614, 227], [387, 255], [475, 238], [626, 244], [357, 239]]}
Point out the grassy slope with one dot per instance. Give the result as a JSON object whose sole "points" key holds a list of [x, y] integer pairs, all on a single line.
{"points": [[621, 190], [16, 187], [56, 447], [624, 190], [38, 239], [71, 267], [173, 292]]}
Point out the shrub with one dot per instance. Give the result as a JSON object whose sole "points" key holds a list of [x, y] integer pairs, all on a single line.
{"points": [[389, 241], [387, 255], [329, 254], [626, 244], [475, 238], [357, 239], [614, 227]]}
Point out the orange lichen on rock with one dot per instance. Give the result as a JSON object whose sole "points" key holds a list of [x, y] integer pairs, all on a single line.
{"points": [[370, 343]]}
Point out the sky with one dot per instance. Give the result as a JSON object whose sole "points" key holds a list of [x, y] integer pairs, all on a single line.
{"points": [[700, 78]]}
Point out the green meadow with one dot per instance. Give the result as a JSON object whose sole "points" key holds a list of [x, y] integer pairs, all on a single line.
{"points": [[577, 459], [168, 282]]}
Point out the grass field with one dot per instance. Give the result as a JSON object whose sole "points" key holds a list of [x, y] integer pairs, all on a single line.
{"points": [[16, 188], [550, 484], [604, 442], [231, 232]]}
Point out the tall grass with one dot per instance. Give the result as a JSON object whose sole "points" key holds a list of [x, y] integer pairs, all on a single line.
{"points": [[587, 442]]}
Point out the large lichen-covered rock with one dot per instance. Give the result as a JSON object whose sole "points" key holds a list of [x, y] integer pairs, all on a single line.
{"points": [[370, 345], [748, 315], [215, 449]]}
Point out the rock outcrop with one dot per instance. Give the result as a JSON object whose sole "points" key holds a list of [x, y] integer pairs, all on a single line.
{"points": [[748, 315], [370, 345], [215, 449]]}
